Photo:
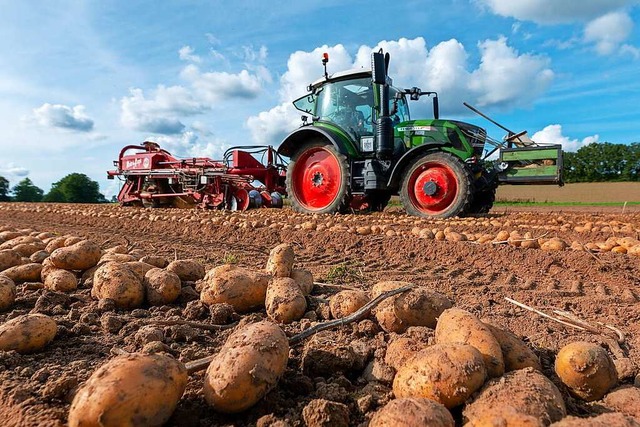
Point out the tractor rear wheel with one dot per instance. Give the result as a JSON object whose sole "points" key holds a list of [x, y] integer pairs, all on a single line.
{"points": [[437, 185], [318, 179]]}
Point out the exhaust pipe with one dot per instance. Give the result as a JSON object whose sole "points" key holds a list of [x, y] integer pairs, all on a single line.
{"points": [[384, 124]]}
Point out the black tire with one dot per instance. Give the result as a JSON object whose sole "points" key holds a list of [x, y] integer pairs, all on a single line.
{"points": [[483, 201], [299, 192], [450, 196]]}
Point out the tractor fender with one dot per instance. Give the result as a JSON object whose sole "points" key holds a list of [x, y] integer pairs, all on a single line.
{"points": [[298, 137], [407, 158]]}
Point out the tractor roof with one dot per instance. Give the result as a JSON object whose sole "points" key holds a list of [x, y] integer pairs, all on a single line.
{"points": [[342, 75]]}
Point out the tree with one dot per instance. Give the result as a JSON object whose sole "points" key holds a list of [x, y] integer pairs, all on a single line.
{"points": [[26, 191], [603, 162], [4, 189], [75, 188]]}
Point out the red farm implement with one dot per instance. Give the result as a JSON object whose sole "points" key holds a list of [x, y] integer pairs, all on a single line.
{"points": [[155, 178]]}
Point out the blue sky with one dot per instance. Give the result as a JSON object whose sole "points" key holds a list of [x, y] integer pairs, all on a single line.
{"points": [[81, 79]]}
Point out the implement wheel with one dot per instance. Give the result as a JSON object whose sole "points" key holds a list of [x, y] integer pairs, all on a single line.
{"points": [[437, 185], [318, 179]]}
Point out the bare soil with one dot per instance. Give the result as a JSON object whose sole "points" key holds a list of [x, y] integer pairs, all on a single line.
{"points": [[36, 389]]}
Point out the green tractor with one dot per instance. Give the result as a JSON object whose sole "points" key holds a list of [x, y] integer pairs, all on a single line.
{"points": [[358, 146]]}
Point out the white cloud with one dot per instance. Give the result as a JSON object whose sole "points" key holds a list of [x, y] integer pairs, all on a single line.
{"points": [[63, 117], [554, 11], [270, 127], [189, 144], [162, 111], [552, 134], [506, 78], [10, 170], [186, 54], [608, 32]]}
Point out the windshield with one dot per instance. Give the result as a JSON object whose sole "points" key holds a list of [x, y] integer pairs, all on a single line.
{"points": [[348, 104]]}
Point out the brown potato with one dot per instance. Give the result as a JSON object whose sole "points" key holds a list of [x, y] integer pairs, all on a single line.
{"points": [[28, 249], [138, 267], [516, 354], [39, 256], [459, 326], [284, 300], [80, 256], [304, 279], [504, 416], [119, 283], [247, 367], [55, 243], [7, 292], [161, 286], [188, 270], [243, 289], [347, 302], [117, 257], [61, 280], [625, 399], [28, 333], [13, 243], [9, 258], [412, 412], [156, 261], [24, 273], [416, 307], [586, 369], [402, 349], [446, 373], [526, 390], [133, 390], [604, 420], [280, 262]]}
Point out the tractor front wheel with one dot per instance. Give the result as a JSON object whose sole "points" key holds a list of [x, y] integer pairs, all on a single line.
{"points": [[318, 179], [437, 185]]}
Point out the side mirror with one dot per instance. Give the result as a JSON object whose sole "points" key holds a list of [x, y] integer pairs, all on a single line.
{"points": [[379, 68], [436, 108]]}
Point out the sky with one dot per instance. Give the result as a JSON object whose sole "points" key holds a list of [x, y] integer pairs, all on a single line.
{"points": [[79, 80]]}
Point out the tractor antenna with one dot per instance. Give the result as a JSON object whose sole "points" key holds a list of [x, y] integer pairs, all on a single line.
{"points": [[325, 59]]}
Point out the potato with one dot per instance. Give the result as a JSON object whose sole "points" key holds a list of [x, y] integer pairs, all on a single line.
{"points": [[156, 261], [133, 390], [188, 270], [247, 367], [554, 244], [284, 300], [605, 420], [119, 283], [304, 279], [161, 286], [516, 354], [347, 302], [410, 412], [7, 292], [39, 256], [446, 373], [24, 273], [72, 240], [140, 268], [28, 333], [9, 258], [526, 390], [625, 399], [243, 289], [28, 249], [117, 249], [79, 256], [117, 257], [19, 240], [61, 280], [402, 349], [586, 369], [57, 242], [415, 307], [459, 326], [280, 262], [504, 416]]}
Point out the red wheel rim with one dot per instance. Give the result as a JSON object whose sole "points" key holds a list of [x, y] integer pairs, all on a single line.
{"points": [[317, 178], [432, 187], [242, 196]]}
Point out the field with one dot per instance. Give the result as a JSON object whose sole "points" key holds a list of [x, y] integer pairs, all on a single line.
{"points": [[598, 193], [587, 277]]}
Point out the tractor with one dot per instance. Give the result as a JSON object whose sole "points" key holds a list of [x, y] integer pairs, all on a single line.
{"points": [[357, 147]]}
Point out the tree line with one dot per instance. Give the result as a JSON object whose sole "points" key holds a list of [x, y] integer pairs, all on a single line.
{"points": [[605, 161], [73, 188]]}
